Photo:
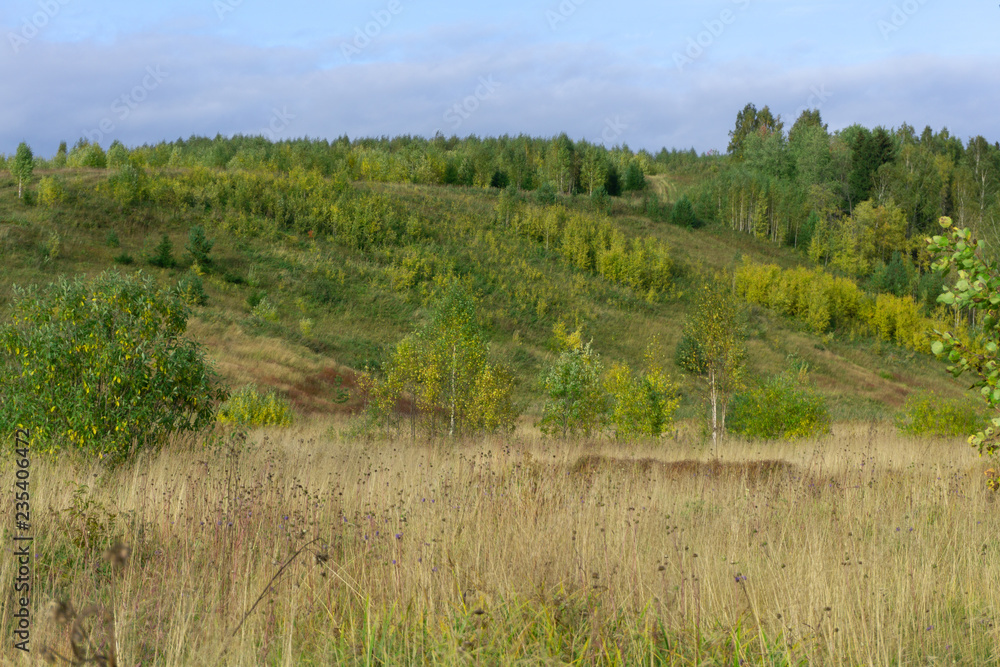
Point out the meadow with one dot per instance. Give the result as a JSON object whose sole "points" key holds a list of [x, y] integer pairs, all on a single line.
{"points": [[312, 546]]}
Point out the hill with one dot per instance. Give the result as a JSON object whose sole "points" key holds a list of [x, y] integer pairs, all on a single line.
{"points": [[316, 275]]}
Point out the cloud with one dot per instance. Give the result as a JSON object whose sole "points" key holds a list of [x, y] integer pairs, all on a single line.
{"points": [[502, 83]]}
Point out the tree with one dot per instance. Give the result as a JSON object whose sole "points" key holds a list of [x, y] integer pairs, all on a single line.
{"points": [[198, 246], [60, 158], [635, 180], [716, 324], [103, 366], [978, 290], [683, 215], [751, 121], [643, 403], [445, 368], [162, 255], [575, 399], [593, 169], [117, 156], [22, 166]]}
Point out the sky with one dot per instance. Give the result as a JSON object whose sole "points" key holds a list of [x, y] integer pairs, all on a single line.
{"points": [[664, 74]]}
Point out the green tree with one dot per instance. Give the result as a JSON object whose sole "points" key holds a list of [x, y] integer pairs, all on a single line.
{"points": [[635, 180], [198, 246], [977, 289], [445, 367], [163, 256], [60, 159], [575, 398], [593, 169], [117, 156], [103, 366], [641, 403], [22, 166], [717, 325], [683, 215]]}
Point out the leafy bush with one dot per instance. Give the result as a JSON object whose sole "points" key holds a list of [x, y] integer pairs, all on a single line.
{"points": [[249, 407], [50, 191], [124, 259], [128, 186], [924, 413], [191, 290], [575, 398], [545, 195], [641, 404], [102, 366], [784, 407]]}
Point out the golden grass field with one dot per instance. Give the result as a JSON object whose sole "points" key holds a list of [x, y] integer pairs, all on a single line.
{"points": [[861, 548]]}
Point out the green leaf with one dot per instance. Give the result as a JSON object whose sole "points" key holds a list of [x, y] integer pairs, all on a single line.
{"points": [[937, 347]]}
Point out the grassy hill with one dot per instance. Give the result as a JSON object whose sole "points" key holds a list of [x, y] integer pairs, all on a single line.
{"points": [[340, 306]]}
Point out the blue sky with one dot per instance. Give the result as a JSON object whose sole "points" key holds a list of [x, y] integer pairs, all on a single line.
{"points": [[648, 74]]}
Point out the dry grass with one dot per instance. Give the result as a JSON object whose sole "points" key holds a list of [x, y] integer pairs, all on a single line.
{"points": [[862, 548]]}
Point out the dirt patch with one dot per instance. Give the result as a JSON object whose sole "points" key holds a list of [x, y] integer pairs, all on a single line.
{"points": [[752, 471]]}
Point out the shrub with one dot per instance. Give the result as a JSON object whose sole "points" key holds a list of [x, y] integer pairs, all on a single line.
{"points": [[249, 407], [50, 191], [575, 399], [124, 259], [545, 195], [191, 290], [641, 404], [784, 407], [924, 413], [128, 186], [102, 366]]}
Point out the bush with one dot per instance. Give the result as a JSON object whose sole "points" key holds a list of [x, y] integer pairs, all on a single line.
{"points": [[924, 413], [124, 259], [102, 366], [783, 408], [191, 290], [641, 404], [128, 186], [545, 195], [50, 191], [248, 407], [575, 399]]}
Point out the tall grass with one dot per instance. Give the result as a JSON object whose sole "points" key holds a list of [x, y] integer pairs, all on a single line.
{"points": [[860, 548]]}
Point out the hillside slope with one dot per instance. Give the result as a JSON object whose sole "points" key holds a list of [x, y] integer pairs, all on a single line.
{"points": [[339, 306]]}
